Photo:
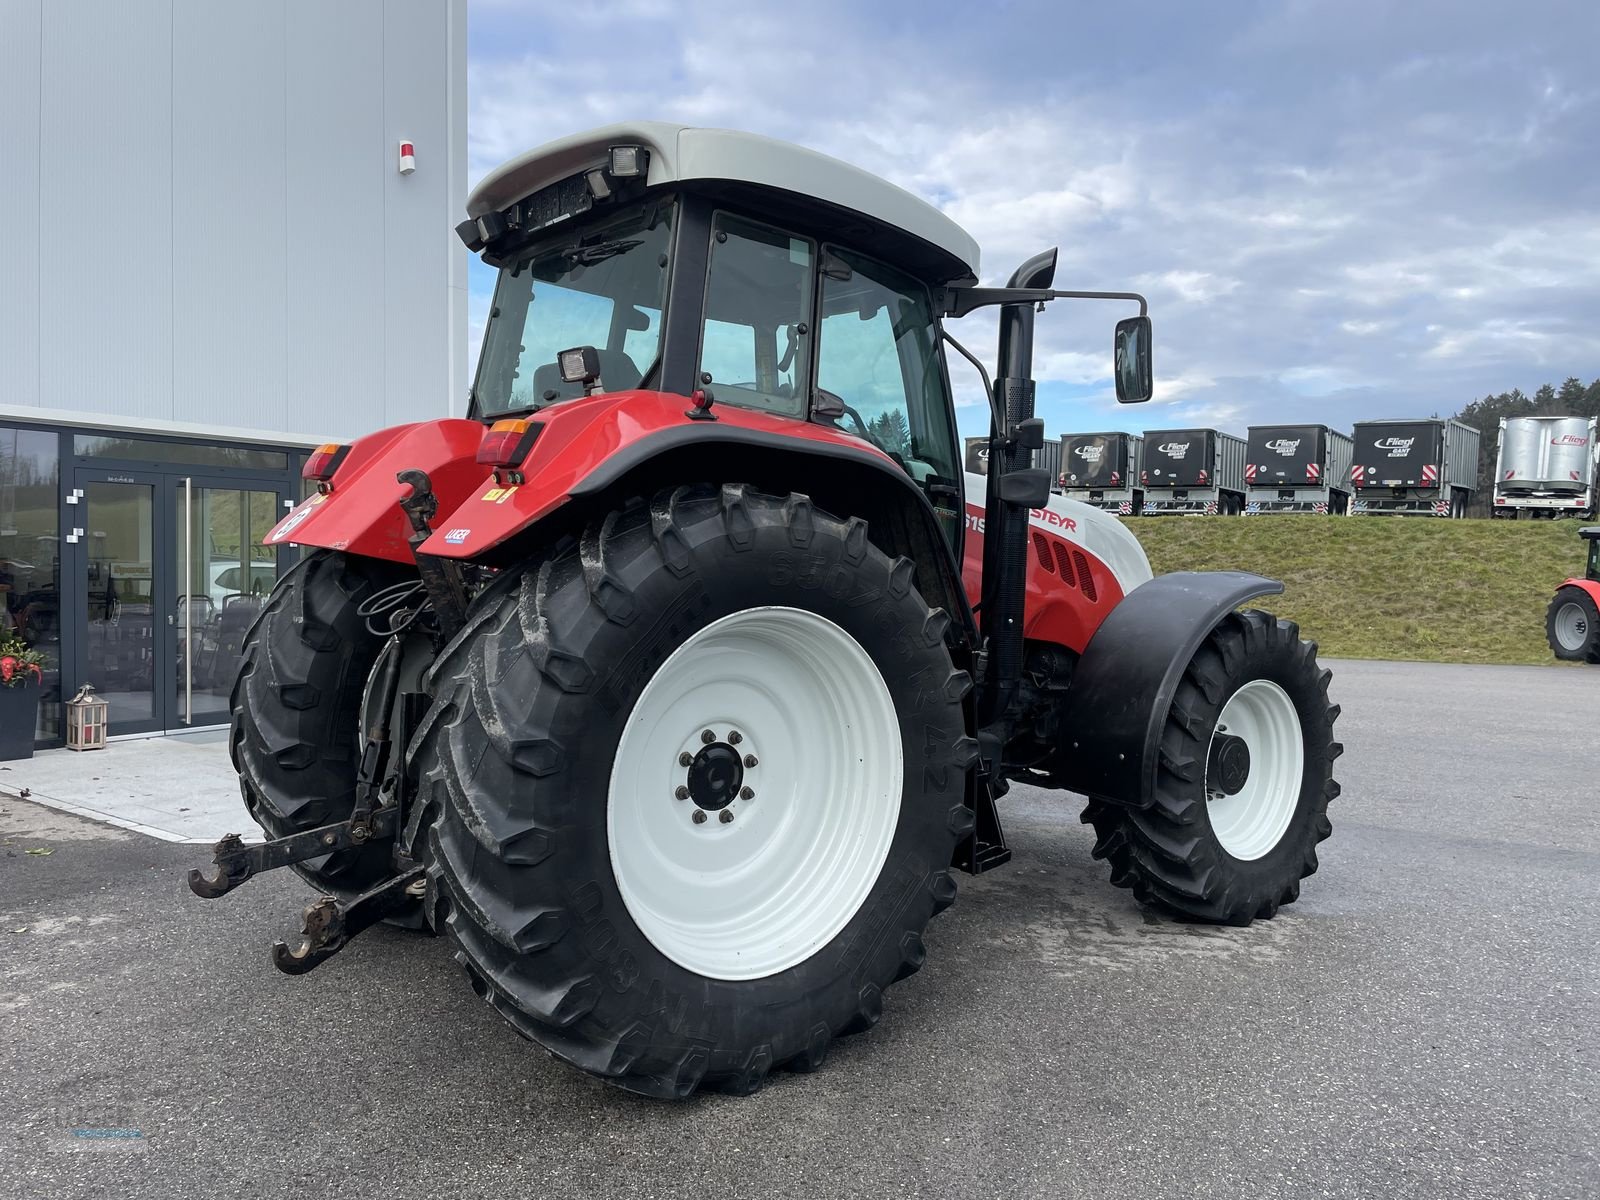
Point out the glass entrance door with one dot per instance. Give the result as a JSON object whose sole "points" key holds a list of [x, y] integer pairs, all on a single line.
{"points": [[126, 629], [174, 575], [222, 575]]}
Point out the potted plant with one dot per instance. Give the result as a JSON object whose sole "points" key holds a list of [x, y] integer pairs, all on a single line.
{"points": [[21, 679]]}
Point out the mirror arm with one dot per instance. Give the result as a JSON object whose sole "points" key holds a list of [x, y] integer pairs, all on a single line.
{"points": [[958, 302]]}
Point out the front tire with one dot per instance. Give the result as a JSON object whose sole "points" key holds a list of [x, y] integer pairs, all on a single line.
{"points": [[1572, 626], [1243, 785], [669, 910]]}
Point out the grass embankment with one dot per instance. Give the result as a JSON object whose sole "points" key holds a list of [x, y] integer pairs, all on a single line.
{"points": [[1389, 587]]}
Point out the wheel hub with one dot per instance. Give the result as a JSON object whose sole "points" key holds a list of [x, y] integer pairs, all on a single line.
{"points": [[1229, 767], [715, 776]]}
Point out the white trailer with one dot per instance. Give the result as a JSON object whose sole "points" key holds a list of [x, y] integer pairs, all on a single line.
{"points": [[1102, 469], [1297, 468], [1193, 471], [1425, 468], [1546, 466]]}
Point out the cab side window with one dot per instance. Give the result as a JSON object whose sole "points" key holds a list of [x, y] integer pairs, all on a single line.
{"points": [[877, 352], [758, 301]]}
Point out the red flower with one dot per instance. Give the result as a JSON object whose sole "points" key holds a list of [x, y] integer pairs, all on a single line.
{"points": [[8, 668]]}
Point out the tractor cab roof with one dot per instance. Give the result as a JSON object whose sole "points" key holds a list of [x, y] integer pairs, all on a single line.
{"points": [[760, 175], [1589, 532]]}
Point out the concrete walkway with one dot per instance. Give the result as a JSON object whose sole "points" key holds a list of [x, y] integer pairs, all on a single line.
{"points": [[180, 788]]}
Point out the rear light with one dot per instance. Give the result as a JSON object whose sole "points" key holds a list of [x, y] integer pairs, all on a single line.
{"points": [[506, 444], [322, 464]]}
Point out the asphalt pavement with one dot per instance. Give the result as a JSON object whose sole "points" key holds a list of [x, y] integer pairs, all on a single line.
{"points": [[1424, 1022]]}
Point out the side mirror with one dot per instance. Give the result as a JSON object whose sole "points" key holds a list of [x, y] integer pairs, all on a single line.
{"points": [[1131, 356]]}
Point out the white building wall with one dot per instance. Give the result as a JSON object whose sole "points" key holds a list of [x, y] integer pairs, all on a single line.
{"points": [[202, 222]]}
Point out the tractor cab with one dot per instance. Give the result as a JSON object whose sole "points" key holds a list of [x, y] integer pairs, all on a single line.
{"points": [[723, 266], [1591, 534]]}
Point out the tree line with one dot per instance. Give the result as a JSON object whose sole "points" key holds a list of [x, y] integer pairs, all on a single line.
{"points": [[1571, 398]]}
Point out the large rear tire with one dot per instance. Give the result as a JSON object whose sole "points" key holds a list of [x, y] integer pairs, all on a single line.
{"points": [[1243, 785], [698, 778], [296, 705], [1572, 626]]}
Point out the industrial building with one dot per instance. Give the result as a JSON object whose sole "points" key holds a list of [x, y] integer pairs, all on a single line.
{"points": [[215, 254]]}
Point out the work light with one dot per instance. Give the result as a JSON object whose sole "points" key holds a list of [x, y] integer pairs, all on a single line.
{"points": [[581, 364], [628, 162]]}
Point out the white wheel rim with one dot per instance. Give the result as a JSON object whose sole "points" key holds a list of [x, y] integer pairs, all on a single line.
{"points": [[754, 894], [1249, 823], [1572, 626]]}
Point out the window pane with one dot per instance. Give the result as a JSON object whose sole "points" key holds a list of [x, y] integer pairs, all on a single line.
{"points": [[146, 450], [30, 557], [119, 652], [879, 354], [230, 574], [602, 286], [757, 298]]}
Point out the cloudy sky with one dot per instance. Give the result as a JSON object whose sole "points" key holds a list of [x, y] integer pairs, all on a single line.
{"points": [[1338, 210]]}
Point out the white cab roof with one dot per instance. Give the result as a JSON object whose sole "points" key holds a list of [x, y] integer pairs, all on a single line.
{"points": [[682, 153]]}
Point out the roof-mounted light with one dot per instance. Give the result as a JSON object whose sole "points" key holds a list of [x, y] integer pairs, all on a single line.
{"points": [[629, 162], [599, 185]]}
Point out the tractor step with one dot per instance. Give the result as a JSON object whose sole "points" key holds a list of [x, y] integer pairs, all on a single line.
{"points": [[237, 862], [327, 925]]}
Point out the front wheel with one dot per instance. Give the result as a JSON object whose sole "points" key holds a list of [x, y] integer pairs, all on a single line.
{"points": [[1243, 783], [699, 776], [1572, 626]]}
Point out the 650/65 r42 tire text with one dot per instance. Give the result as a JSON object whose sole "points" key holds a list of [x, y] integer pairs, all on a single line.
{"points": [[699, 776], [296, 708], [1243, 783]]}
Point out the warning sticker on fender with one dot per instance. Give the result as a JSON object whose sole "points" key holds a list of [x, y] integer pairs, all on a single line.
{"points": [[294, 520]]}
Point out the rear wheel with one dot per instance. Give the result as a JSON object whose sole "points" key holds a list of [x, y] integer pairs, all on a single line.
{"points": [[699, 778], [1243, 784], [296, 708], [1572, 626]]}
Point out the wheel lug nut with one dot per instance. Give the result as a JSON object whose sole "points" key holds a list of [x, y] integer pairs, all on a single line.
{"points": [[750, 760], [682, 793], [725, 816], [735, 737], [747, 793], [685, 759], [699, 816], [707, 736]]}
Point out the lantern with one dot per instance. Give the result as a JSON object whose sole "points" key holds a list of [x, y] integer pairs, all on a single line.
{"points": [[86, 720]]}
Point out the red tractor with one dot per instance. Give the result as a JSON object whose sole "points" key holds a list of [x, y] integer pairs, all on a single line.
{"points": [[1572, 622], [672, 683]]}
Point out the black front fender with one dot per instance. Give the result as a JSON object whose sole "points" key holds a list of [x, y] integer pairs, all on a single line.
{"points": [[1129, 672]]}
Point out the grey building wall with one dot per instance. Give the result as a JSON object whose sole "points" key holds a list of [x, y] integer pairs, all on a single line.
{"points": [[202, 221]]}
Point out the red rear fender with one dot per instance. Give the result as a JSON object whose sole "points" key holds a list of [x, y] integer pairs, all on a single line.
{"points": [[584, 442], [361, 512]]}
